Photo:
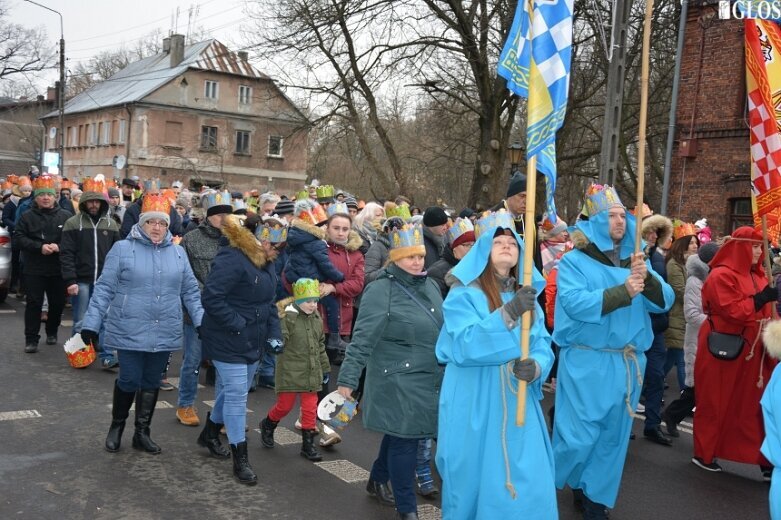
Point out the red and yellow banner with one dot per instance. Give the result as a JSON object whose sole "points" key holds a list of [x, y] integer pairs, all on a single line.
{"points": [[763, 87]]}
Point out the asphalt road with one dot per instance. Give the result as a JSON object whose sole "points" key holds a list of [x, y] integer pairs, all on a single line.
{"points": [[53, 466]]}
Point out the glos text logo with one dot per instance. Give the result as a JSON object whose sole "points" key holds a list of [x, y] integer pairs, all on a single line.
{"points": [[747, 9]]}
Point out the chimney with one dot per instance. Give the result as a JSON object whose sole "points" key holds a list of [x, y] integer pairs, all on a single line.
{"points": [[51, 94], [243, 56], [166, 45], [177, 49]]}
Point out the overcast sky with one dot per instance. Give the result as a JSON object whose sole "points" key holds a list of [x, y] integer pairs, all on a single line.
{"points": [[92, 26]]}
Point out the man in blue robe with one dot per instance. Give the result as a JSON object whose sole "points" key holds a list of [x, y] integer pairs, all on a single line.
{"points": [[605, 293]]}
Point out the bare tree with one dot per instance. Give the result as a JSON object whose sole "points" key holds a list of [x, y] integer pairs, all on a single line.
{"points": [[23, 51]]}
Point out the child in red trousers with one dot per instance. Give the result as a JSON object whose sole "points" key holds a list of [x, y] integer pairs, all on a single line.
{"points": [[302, 367]]}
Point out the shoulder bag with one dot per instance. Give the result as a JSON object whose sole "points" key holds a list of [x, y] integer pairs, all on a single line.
{"points": [[724, 346]]}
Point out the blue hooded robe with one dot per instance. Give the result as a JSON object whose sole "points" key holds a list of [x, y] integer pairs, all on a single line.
{"points": [[771, 447], [482, 456], [601, 360]]}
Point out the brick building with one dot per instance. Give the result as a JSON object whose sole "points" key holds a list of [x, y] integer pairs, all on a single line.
{"points": [[198, 113], [711, 167], [21, 132]]}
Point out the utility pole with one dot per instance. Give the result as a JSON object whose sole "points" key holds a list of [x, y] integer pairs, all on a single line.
{"points": [[611, 133], [61, 90]]}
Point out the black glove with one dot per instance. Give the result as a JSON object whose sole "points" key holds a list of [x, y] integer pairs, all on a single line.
{"points": [[522, 301], [89, 336], [526, 369], [766, 295]]}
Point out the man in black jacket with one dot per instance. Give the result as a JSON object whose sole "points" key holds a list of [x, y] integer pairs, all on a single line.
{"points": [[38, 234]]}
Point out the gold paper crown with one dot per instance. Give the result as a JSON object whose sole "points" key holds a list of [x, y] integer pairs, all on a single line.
{"points": [[305, 289], [492, 220], [683, 229], [65, 184], [459, 227], [401, 211], [44, 183], [600, 198], [276, 234], [156, 203], [326, 191], [92, 185], [302, 195]]}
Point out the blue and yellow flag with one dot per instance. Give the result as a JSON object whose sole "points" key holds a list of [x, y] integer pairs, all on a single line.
{"points": [[536, 62]]}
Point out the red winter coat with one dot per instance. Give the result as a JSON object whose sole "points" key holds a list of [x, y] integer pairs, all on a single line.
{"points": [[349, 261], [728, 421]]}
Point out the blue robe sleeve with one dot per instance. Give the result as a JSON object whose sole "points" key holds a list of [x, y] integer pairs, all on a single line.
{"points": [[574, 295], [471, 337], [104, 291]]}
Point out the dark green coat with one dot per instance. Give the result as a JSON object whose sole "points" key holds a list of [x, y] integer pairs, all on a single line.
{"points": [[301, 365], [395, 339], [676, 277]]}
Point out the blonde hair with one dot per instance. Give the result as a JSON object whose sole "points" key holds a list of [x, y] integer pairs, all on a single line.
{"points": [[367, 213]]}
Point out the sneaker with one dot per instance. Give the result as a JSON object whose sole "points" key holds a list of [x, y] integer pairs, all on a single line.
{"points": [[297, 424], [767, 475], [31, 348], [640, 408], [713, 466], [109, 363], [188, 416], [165, 386], [328, 437], [51, 340]]}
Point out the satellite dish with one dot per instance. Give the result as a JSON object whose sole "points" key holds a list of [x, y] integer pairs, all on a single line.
{"points": [[52, 132], [120, 163]]}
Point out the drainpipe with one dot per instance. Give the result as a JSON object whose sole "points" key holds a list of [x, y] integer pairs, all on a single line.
{"points": [[668, 155], [127, 138]]}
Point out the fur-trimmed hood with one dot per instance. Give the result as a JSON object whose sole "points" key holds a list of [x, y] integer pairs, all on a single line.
{"points": [[696, 267], [662, 225], [242, 239], [579, 239], [309, 228], [771, 337]]}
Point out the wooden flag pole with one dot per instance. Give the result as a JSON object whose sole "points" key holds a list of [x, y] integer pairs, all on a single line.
{"points": [[768, 266], [529, 242], [649, 9]]}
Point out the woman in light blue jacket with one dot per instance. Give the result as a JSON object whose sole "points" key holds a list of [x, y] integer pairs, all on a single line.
{"points": [[138, 300]]}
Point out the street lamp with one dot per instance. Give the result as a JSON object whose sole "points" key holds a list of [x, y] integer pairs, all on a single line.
{"points": [[515, 156], [61, 94]]}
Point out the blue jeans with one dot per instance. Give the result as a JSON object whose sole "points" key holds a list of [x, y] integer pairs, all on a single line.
{"points": [[80, 304], [230, 401], [191, 364], [675, 358], [653, 383], [331, 307], [423, 457], [396, 461], [139, 370]]}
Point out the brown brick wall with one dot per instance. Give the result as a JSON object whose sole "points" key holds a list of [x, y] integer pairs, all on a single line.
{"points": [[704, 185]]}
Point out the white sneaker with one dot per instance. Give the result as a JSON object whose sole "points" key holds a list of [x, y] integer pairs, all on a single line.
{"points": [[328, 437], [640, 408], [297, 424]]}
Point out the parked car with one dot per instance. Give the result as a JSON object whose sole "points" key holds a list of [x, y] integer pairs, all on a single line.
{"points": [[5, 263]]}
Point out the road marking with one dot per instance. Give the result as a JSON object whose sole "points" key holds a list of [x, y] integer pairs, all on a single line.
{"points": [[284, 437], [344, 470], [66, 323], [210, 404], [7, 311], [175, 382], [160, 405], [20, 414], [429, 512]]}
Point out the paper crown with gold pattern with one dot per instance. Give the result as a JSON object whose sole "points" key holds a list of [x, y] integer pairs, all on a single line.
{"points": [[274, 233], [310, 212], [406, 241], [169, 194], [302, 195], [647, 211], [238, 204], [325, 193], [459, 230], [600, 198], [13, 179], [305, 290], [401, 211], [216, 198], [65, 184], [156, 204], [337, 207], [94, 185], [44, 184], [151, 185], [492, 220], [683, 229]]}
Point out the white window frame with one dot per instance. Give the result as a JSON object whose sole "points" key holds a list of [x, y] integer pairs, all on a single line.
{"points": [[105, 135], [93, 134], [121, 132], [74, 136], [281, 146], [245, 95], [211, 89], [249, 142]]}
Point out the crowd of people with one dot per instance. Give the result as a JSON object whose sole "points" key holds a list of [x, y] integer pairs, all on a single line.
{"points": [[421, 312]]}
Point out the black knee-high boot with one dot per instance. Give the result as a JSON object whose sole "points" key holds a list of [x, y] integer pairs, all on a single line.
{"points": [[120, 409], [145, 408]]}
